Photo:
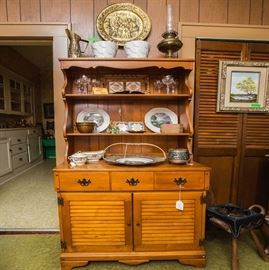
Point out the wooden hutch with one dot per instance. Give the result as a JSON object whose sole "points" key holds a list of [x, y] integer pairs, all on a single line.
{"points": [[105, 217]]}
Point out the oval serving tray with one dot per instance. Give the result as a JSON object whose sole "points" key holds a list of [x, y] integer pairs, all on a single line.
{"points": [[123, 22]]}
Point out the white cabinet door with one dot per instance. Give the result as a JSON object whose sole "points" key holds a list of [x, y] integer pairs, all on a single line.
{"points": [[5, 157], [34, 147]]}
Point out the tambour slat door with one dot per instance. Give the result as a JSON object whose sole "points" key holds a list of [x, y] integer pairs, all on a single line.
{"points": [[158, 225], [218, 135], [96, 222]]}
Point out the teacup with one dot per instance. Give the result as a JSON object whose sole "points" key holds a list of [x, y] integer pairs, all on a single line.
{"points": [[178, 155], [78, 159]]}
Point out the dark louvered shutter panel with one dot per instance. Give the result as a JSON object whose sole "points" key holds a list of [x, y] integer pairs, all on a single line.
{"points": [[213, 129], [257, 125]]}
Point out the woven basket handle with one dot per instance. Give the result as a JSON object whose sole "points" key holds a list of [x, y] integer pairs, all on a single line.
{"points": [[136, 144]]}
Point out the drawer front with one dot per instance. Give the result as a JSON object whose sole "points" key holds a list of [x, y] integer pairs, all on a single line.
{"points": [[18, 148], [132, 180], [17, 136], [34, 131], [19, 160], [172, 180], [84, 181]]}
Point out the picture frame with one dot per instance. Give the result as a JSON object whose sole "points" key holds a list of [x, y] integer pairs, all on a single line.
{"points": [[48, 110], [243, 87]]}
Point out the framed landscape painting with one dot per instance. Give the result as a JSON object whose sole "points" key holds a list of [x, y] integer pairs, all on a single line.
{"points": [[243, 87]]}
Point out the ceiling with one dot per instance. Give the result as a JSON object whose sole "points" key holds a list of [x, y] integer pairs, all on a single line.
{"points": [[38, 55]]}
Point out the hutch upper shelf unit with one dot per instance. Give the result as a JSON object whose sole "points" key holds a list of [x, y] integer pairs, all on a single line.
{"points": [[126, 107], [128, 213]]}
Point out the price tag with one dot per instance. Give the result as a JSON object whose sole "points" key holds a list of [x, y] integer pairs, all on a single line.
{"points": [[179, 205]]}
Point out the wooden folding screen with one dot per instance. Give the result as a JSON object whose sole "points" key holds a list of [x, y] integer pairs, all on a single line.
{"points": [[233, 144]]}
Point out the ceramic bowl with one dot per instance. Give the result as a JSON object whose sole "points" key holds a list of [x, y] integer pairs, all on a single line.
{"points": [[103, 49], [78, 158], [85, 127], [178, 155], [93, 156], [136, 49]]}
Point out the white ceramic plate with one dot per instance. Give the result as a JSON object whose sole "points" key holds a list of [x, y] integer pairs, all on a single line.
{"points": [[157, 116], [99, 116]]}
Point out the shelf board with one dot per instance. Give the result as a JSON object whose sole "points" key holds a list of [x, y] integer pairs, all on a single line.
{"points": [[130, 96], [76, 134]]}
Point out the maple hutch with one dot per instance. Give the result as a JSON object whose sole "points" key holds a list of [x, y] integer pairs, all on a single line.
{"points": [[120, 213]]}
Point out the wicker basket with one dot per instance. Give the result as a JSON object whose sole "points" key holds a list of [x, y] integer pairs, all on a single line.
{"points": [[134, 160]]}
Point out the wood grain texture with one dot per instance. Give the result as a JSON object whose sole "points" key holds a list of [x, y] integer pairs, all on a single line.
{"points": [[55, 11], [3, 11], [256, 12], [142, 4], [30, 10], [265, 17], [82, 14], [238, 11], [13, 11], [158, 24], [189, 11], [221, 177], [213, 11]]}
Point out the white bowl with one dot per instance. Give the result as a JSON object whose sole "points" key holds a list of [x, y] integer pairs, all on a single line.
{"points": [[137, 49], [78, 158], [104, 49], [94, 155]]}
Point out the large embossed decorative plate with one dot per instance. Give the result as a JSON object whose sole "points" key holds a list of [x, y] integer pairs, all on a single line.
{"points": [[123, 22]]}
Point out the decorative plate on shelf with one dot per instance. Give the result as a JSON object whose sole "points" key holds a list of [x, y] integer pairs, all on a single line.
{"points": [[123, 22], [99, 116], [155, 117]]}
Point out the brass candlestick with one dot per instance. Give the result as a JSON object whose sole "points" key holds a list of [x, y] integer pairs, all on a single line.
{"points": [[170, 44]]}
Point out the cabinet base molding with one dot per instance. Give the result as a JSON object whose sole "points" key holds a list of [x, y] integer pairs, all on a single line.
{"points": [[195, 258], [69, 265]]}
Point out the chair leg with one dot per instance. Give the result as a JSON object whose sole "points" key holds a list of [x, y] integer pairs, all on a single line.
{"points": [[235, 259]]}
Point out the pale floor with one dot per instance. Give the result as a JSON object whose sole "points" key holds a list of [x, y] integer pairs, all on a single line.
{"points": [[29, 201]]}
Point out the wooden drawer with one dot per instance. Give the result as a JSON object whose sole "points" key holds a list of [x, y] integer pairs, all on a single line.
{"points": [[18, 148], [19, 160], [171, 180], [132, 180], [84, 181]]}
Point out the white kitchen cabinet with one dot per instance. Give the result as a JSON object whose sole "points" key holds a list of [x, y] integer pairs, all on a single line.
{"points": [[20, 149], [5, 157], [34, 146], [16, 93]]}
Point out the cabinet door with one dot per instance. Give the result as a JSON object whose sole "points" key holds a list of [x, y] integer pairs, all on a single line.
{"points": [[158, 225], [5, 157], [2, 94], [34, 147], [15, 96], [27, 99], [96, 222]]}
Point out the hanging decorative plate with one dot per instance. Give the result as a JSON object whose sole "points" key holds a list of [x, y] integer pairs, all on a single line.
{"points": [[123, 22], [99, 116], [155, 117]]}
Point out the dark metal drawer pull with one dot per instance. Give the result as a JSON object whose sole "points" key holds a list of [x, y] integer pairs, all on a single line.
{"points": [[132, 182], [180, 181], [84, 182]]}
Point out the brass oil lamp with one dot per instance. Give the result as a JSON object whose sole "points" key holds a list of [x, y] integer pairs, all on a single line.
{"points": [[170, 43]]}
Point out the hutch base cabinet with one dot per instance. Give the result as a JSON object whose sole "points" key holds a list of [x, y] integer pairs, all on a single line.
{"points": [[131, 214], [106, 216]]}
